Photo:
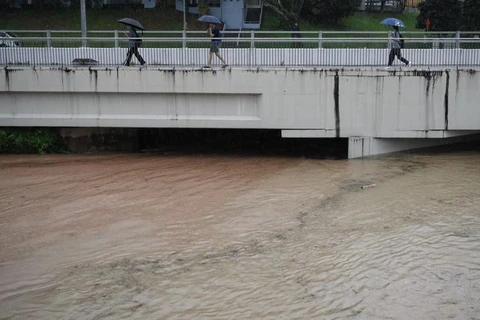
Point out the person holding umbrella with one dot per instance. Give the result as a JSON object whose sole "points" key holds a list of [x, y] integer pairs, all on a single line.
{"points": [[214, 33], [134, 41], [397, 41]]}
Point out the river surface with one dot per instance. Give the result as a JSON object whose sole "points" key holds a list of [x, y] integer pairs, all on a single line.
{"points": [[205, 236]]}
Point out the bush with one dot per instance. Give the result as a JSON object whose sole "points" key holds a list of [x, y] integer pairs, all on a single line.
{"points": [[30, 140], [330, 11], [471, 15], [444, 15]]}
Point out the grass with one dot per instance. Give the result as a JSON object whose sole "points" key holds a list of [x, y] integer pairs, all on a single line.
{"points": [[360, 21], [170, 19], [97, 19]]}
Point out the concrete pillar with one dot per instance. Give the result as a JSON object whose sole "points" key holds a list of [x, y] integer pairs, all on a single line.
{"points": [[360, 147]]}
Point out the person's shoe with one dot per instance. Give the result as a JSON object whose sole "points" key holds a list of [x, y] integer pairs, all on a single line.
{"points": [[224, 66], [409, 64], [388, 67], [207, 67]]}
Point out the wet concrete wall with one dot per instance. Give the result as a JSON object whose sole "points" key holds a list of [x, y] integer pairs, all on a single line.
{"points": [[327, 103]]}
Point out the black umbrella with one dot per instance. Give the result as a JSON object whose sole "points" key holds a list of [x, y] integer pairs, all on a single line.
{"points": [[209, 19], [132, 23]]}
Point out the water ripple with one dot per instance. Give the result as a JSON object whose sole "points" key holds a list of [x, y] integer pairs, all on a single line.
{"points": [[210, 237]]}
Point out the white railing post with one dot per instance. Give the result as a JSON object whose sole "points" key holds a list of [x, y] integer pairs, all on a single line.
{"points": [[49, 39], [115, 35], [184, 47], [189, 53], [252, 48]]}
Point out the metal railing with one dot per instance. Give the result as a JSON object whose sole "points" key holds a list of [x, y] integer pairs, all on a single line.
{"points": [[273, 49], [50, 35]]}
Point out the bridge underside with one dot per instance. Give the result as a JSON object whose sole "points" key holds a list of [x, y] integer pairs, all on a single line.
{"points": [[378, 110]]}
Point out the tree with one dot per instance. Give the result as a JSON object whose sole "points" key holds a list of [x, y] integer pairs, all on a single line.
{"points": [[288, 10], [444, 15], [471, 15], [330, 11]]}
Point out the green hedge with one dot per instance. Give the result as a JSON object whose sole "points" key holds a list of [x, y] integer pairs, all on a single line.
{"points": [[30, 140]]}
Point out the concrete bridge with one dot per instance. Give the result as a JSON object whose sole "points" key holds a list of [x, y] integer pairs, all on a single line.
{"points": [[378, 110]]}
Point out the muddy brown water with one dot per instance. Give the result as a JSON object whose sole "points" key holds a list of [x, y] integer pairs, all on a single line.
{"points": [[142, 236]]}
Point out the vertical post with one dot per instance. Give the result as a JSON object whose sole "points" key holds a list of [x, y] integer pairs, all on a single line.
{"points": [[49, 38], [83, 18], [252, 47], [320, 37], [184, 47], [457, 40], [115, 35]]}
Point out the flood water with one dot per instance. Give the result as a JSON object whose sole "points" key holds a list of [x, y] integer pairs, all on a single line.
{"points": [[209, 236]]}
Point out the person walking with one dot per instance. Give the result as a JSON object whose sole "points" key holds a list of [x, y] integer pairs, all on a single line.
{"points": [[395, 51], [214, 33], [134, 43], [296, 35]]}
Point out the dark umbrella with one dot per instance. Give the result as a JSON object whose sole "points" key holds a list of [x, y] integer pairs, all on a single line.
{"points": [[132, 23], [393, 22], [209, 19]]}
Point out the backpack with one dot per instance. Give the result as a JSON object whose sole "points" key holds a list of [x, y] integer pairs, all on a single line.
{"points": [[402, 41]]}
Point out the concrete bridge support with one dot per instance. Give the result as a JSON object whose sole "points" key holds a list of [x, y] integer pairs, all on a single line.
{"points": [[379, 110], [360, 147]]}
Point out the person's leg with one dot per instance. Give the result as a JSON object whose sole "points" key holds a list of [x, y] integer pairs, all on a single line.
{"points": [[129, 56], [396, 53], [139, 57], [220, 57], [391, 56], [399, 56], [213, 50], [210, 57]]}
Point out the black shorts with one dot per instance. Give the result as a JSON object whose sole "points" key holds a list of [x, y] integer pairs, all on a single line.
{"points": [[214, 47]]}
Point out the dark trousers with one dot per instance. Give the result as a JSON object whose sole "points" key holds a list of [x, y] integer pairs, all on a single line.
{"points": [[396, 52], [130, 53], [296, 43]]}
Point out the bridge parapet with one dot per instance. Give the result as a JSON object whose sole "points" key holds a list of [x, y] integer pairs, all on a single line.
{"points": [[247, 49]]}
